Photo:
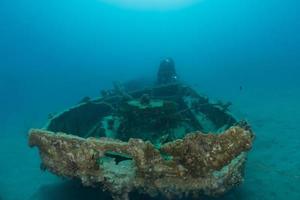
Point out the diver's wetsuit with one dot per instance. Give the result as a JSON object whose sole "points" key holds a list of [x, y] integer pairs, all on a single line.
{"points": [[166, 73]]}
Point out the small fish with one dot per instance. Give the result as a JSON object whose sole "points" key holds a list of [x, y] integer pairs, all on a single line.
{"points": [[118, 157]]}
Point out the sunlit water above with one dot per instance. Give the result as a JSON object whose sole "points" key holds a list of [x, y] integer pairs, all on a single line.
{"points": [[152, 4]]}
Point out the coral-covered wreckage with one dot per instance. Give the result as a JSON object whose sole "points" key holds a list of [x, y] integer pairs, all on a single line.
{"points": [[165, 140]]}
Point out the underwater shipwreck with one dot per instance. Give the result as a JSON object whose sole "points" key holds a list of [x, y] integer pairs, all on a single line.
{"points": [[162, 140]]}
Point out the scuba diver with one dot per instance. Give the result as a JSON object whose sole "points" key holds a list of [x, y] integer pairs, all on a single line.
{"points": [[166, 72]]}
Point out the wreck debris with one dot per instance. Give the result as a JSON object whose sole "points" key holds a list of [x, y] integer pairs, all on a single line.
{"points": [[197, 164], [145, 99]]}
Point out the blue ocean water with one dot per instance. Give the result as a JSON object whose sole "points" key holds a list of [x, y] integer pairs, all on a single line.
{"points": [[52, 53]]}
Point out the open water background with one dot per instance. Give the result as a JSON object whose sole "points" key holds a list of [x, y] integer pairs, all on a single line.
{"points": [[53, 53]]}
